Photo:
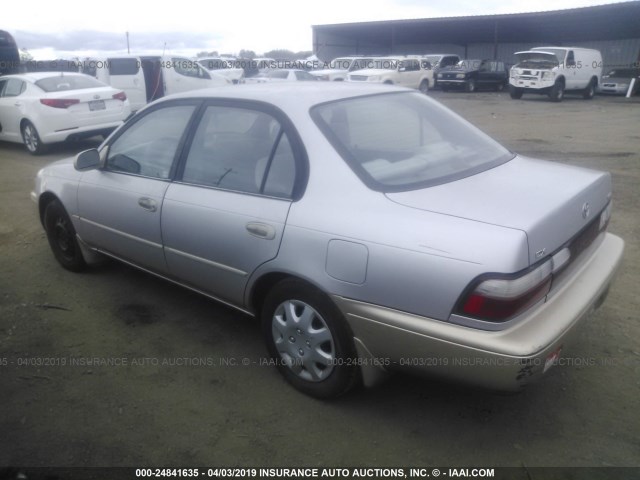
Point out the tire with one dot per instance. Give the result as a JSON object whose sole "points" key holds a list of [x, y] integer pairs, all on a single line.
{"points": [[62, 237], [499, 87], [31, 139], [515, 93], [556, 94], [424, 86], [309, 340], [470, 85], [590, 91]]}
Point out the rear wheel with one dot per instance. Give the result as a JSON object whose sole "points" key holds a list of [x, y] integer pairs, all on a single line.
{"points": [[590, 91], [62, 237], [556, 94], [31, 139], [424, 86], [309, 340]]}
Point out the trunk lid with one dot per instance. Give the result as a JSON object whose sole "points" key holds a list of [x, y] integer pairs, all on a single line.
{"points": [[548, 201]]}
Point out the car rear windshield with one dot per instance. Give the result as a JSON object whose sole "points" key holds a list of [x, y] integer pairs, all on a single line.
{"points": [[405, 141], [60, 83]]}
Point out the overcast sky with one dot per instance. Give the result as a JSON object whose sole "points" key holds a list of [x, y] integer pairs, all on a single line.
{"points": [[65, 28]]}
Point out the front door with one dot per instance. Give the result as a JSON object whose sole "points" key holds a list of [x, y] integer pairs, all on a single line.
{"points": [[126, 74], [120, 206]]}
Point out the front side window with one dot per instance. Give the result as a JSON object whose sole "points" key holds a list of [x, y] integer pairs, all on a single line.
{"points": [[188, 68], [405, 141], [242, 150], [124, 66], [148, 147]]}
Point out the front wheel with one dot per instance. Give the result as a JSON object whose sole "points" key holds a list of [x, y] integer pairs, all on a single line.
{"points": [[515, 92], [62, 237], [556, 94], [424, 86], [470, 86], [31, 139], [309, 340]]}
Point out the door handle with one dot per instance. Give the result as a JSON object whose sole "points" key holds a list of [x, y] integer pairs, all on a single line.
{"points": [[148, 204], [18, 104], [261, 230]]}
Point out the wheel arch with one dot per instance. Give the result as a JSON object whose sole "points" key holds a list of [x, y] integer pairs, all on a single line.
{"points": [[261, 286], [45, 199]]}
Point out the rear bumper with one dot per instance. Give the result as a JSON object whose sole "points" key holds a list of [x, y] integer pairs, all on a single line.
{"points": [[504, 360]]}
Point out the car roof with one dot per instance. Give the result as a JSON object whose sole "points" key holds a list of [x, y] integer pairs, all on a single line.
{"points": [[293, 94]]}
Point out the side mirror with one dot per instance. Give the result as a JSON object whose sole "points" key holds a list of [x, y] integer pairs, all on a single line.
{"points": [[87, 160]]}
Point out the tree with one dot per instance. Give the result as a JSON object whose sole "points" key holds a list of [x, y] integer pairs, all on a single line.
{"points": [[207, 54], [25, 56], [250, 54]]}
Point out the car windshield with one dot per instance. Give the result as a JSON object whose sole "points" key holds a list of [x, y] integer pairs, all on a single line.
{"points": [[536, 60], [60, 83], [558, 52], [405, 141], [467, 65]]}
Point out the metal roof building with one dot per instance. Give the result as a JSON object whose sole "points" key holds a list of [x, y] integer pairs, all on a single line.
{"points": [[613, 29]]}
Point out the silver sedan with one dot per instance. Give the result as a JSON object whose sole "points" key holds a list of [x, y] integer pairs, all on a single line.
{"points": [[368, 227]]}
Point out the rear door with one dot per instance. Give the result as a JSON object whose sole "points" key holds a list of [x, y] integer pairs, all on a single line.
{"points": [[120, 206], [126, 74], [225, 215]]}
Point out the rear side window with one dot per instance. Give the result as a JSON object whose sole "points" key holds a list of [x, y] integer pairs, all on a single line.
{"points": [[12, 88], [242, 150], [149, 146], [123, 66], [63, 82]]}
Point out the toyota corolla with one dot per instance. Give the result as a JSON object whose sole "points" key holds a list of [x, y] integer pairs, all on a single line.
{"points": [[368, 227]]}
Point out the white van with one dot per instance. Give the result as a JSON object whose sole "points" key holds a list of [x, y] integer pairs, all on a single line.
{"points": [[146, 78], [555, 70]]}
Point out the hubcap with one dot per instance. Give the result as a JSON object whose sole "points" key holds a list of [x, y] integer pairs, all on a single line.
{"points": [[63, 237], [303, 340], [30, 138]]}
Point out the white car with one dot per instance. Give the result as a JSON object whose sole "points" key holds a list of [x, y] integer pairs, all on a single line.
{"points": [[223, 66], [282, 75], [38, 109], [340, 67], [404, 71]]}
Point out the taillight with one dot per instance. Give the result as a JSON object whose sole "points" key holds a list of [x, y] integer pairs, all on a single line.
{"points": [[120, 96], [499, 299], [59, 102]]}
